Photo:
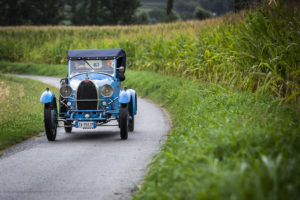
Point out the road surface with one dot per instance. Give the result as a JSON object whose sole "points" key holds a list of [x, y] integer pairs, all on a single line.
{"points": [[86, 164]]}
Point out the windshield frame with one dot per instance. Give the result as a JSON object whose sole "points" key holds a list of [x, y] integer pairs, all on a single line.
{"points": [[92, 69]]}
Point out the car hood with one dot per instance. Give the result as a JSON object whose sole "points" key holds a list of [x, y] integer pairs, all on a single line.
{"points": [[98, 79]]}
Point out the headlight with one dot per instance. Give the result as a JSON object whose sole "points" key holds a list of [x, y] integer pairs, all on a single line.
{"points": [[107, 90], [65, 91]]}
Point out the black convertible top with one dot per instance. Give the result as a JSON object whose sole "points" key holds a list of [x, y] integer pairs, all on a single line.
{"points": [[90, 54]]}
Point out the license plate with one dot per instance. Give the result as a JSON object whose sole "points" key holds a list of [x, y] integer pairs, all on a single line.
{"points": [[86, 125]]}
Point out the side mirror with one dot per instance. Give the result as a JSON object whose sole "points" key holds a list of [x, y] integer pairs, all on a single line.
{"points": [[121, 69]]}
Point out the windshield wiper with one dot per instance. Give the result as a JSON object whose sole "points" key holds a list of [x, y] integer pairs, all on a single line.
{"points": [[89, 65]]}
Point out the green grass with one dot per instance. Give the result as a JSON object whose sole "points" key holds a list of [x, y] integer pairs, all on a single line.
{"points": [[224, 144], [21, 112], [31, 68], [254, 51]]}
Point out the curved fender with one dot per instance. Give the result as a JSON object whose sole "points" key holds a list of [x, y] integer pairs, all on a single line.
{"points": [[134, 100], [124, 96], [47, 96]]}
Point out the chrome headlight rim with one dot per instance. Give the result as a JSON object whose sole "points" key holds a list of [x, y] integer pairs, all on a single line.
{"points": [[107, 90], [65, 91]]}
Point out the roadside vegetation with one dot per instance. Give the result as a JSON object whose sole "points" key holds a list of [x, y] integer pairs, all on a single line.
{"points": [[224, 81], [31, 68], [254, 51], [21, 113], [223, 144]]}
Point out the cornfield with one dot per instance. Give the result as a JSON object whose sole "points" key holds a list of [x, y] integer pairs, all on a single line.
{"points": [[253, 50]]}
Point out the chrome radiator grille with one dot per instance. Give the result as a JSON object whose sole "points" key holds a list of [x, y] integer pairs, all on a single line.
{"points": [[86, 96]]}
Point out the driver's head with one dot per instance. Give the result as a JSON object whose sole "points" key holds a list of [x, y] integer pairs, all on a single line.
{"points": [[80, 64], [108, 63]]}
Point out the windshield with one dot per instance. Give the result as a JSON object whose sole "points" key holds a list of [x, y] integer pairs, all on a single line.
{"points": [[88, 66]]}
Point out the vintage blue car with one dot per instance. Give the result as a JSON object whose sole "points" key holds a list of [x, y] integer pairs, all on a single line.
{"points": [[91, 95]]}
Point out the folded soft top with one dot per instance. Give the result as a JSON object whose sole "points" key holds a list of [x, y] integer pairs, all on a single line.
{"points": [[90, 54]]}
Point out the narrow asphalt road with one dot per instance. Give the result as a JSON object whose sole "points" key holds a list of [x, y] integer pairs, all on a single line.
{"points": [[86, 164]]}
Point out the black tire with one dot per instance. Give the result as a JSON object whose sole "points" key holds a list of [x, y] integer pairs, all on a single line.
{"points": [[131, 123], [68, 129], [50, 113], [123, 121], [131, 118]]}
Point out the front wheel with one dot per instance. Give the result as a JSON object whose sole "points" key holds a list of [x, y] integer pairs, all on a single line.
{"points": [[50, 113], [123, 121], [68, 127]]}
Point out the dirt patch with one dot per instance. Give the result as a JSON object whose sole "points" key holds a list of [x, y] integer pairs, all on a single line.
{"points": [[20, 89], [4, 91]]}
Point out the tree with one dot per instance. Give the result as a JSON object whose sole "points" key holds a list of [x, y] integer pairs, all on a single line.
{"points": [[36, 12], [142, 18], [169, 7], [200, 13], [156, 15], [11, 12], [45, 12], [79, 15], [217, 6], [185, 8], [119, 12]]}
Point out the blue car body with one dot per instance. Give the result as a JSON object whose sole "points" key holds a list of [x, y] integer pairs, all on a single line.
{"points": [[86, 100]]}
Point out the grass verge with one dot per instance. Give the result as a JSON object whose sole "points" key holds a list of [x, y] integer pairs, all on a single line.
{"points": [[224, 144], [31, 68], [21, 113]]}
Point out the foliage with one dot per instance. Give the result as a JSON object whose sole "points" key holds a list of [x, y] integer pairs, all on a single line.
{"points": [[172, 17], [142, 18], [36, 69], [257, 51], [186, 8], [169, 7], [224, 144], [201, 14], [92, 12], [120, 12], [156, 15], [218, 6], [17, 12], [20, 113]]}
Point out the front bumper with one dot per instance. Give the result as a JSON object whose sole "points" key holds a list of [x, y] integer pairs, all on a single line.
{"points": [[90, 115]]}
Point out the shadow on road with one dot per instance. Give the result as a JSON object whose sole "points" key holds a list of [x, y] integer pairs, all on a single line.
{"points": [[86, 136]]}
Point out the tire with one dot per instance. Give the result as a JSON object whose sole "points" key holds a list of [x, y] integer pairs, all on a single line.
{"points": [[131, 118], [68, 129], [131, 123], [124, 121], [50, 113]]}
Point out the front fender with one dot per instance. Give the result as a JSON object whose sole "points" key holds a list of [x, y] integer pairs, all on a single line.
{"points": [[133, 101], [47, 96], [124, 97], [127, 96]]}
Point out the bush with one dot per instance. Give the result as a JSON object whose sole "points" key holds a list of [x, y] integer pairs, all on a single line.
{"points": [[201, 13], [142, 18]]}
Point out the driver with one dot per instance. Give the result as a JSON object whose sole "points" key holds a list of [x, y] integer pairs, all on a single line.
{"points": [[77, 66], [107, 66], [80, 65]]}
